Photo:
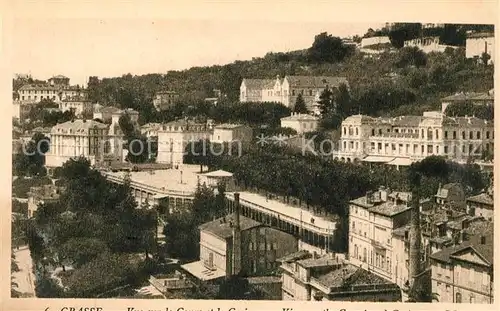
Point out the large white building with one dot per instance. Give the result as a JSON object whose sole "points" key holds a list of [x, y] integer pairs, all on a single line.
{"points": [[285, 90], [77, 138], [175, 136], [428, 44], [405, 139], [478, 43]]}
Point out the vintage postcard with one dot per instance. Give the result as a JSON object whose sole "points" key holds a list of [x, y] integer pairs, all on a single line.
{"points": [[205, 163]]}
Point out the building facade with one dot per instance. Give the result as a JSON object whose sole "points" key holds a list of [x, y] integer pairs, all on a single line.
{"points": [[480, 99], [309, 277], [478, 43], [165, 99], [175, 136], [463, 273], [302, 123], [373, 220], [237, 245], [79, 105], [285, 90], [76, 138], [231, 133], [405, 139], [428, 44], [481, 205]]}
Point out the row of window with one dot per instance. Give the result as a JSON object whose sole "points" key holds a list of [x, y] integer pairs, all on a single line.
{"points": [[374, 259], [405, 148], [471, 135]]}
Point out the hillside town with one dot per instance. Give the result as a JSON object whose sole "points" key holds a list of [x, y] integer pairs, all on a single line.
{"points": [[293, 184]]}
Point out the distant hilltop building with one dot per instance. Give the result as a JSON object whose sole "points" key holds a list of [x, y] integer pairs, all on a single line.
{"points": [[402, 140], [164, 99], [478, 43], [286, 90], [428, 44], [371, 41], [302, 123]]}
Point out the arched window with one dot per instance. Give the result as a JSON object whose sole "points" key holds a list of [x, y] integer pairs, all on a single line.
{"points": [[357, 131], [471, 135], [437, 134], [488, 135], [458, 298], [478, 135], [373, 132], [345, 131]]}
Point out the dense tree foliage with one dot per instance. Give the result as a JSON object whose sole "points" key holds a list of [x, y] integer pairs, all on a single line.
{"points": [[93, 217], [181, 230], [328, 49], [30, 158], [300, 105]]}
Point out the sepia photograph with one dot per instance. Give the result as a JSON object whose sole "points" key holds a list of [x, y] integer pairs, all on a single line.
{"points": [[252, 160]]}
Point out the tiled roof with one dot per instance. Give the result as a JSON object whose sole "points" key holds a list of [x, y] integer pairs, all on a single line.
{"points": [[407, 121], [483, 96], [474, 242], [318, 262], [218, 173], [359, 118], [302, 254], [259, 83], [223, 227], [466, 122], [300, 117], [482, 198], [316, 81], [383, 208], [79, 125], [39, 87], [351, 275], [228, 126]]}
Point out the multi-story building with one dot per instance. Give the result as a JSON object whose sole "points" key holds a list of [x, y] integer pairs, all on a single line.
{"points": [[175, 136], [478, 43], [316, 233], [373, 219], [481, 205], [76, 138], [231, 133], [79, 105], [165, 99], [285, 90], [42, 195], [59, 80], [405, 139], [237, 245], [301, 123], [463, 273], [308, 277], [105, 114]]}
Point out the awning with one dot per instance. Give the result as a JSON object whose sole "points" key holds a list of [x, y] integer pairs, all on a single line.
{"points": [[198, 270], [378, 159], [401, 162]]}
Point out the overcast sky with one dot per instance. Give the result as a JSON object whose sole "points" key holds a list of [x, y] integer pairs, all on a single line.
{"points": [[79, 48], [80, 38]]}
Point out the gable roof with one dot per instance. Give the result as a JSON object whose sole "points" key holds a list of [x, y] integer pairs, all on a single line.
{"points": [[316, 81], [223, 227], [485, 250], [482, 198], [259, 83]]}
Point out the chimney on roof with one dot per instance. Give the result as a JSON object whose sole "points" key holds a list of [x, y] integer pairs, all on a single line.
{"points": [[369, 197]]}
